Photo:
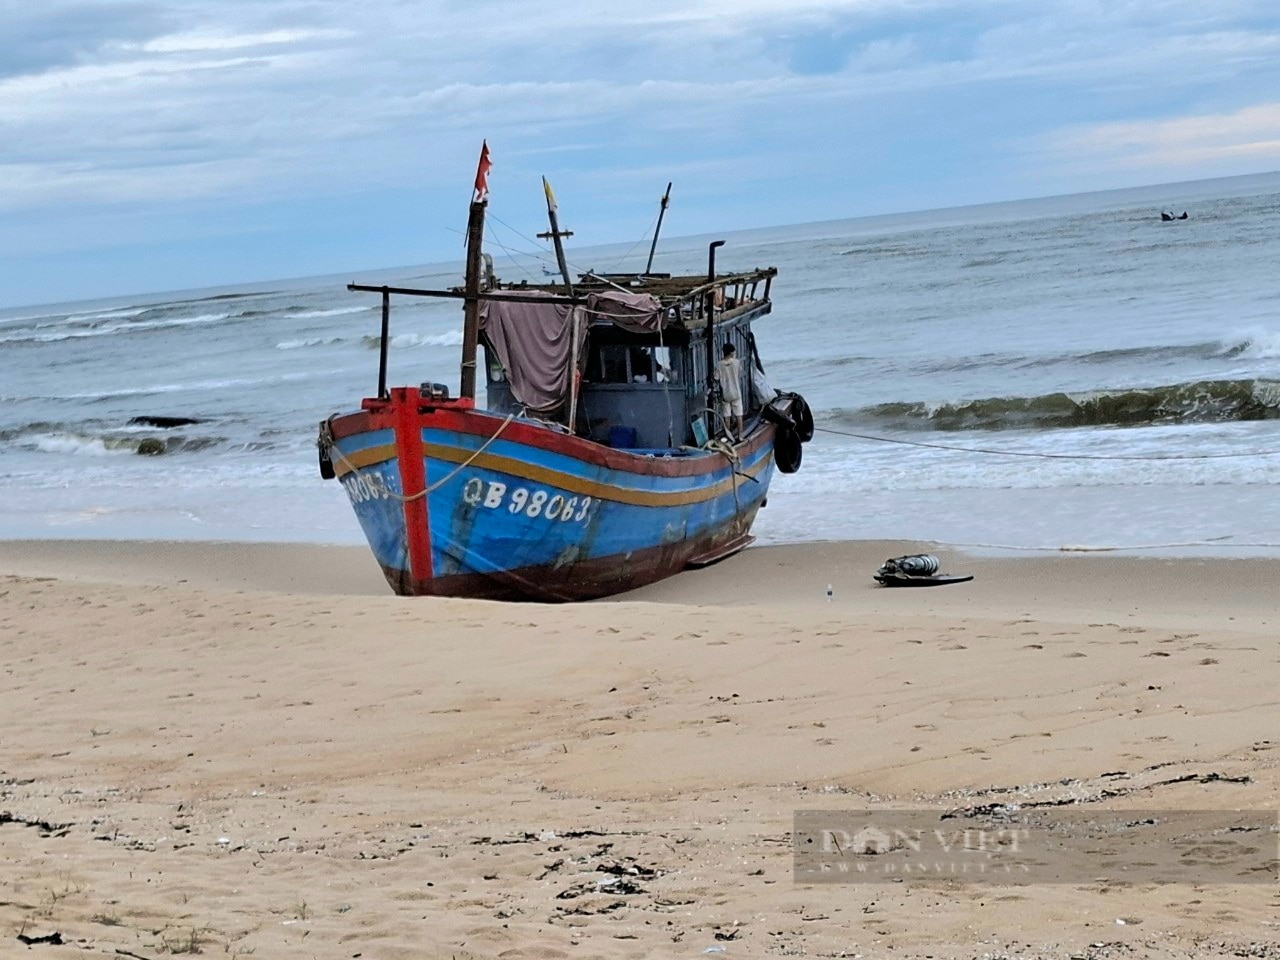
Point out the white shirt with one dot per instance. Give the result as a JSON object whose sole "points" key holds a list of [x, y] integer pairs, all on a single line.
{"points": [[730, 379]]}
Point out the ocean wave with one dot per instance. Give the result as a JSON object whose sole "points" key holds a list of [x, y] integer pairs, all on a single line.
{"points": [[78, 443], [28, 317], [1254, 345], [336, 312], [162, 388], [308, 342], [29, 336], [1203, 401], [887, 250], [1204, 350], [1257, 345], [451, 339], [107, 315]]}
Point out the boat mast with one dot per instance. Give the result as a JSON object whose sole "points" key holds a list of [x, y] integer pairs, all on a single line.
{"points": [[556, 234], [662, 210], [471, 306], [709, 308]]}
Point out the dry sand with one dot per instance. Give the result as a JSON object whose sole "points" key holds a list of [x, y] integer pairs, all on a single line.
{"points": [[253, 750]]}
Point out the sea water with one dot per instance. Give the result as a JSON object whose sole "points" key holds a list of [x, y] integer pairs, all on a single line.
{"points": [[1035, 375]]}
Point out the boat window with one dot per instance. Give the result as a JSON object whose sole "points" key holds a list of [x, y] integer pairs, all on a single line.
{"points": [[633, 364], [613, 365], [641, 362]]}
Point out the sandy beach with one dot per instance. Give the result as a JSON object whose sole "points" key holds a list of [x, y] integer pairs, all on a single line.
{"points": [[254, 750]]}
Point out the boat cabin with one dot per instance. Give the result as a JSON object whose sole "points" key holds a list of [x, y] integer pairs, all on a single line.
{"points": [[643, 370]]}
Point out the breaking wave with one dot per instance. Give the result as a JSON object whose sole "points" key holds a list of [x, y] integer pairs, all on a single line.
{"points": [[95, 317], [97, 396], [51, 439], [1255, 345], [336, 312], [308, 342], [92, 326], [1251, 345], [451, 339], [1204, 401], [57, 328]]}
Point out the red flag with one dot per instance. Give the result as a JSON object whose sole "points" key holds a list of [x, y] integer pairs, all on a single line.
{"points": [[482, 174]]}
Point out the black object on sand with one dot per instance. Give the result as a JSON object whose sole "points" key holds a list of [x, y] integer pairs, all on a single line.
{"points": [[916, 570]]}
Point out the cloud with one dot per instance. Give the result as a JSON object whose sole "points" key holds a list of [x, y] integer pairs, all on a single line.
{"points": [[38, 37], [163, 106], [1248, 138], [206, 41]]}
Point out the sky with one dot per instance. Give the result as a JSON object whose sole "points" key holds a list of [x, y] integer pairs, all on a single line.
{"points": [[149, 146]]}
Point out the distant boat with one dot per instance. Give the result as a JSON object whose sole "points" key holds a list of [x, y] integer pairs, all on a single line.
{"points": [[602, 462]]}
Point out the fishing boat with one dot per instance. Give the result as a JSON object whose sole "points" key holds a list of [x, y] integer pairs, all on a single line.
{"points": [[602, 459]]}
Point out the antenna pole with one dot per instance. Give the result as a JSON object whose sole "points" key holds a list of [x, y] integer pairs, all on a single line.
{"points": [[475, 249], [709, 306], [556, 235], [662, 210]]}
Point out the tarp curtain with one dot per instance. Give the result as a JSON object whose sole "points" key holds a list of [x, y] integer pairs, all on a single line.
{"points": [[633, 312], [534, 342]]}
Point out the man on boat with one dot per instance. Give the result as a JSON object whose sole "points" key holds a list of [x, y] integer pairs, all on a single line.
{"points": [[730, 376]]}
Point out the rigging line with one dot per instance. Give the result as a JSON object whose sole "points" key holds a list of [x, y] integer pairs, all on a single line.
{"points": [[534, 254], [512, 256], [539, 253], [492, 235], [577, 267], [526, 239], [1047, 456], [645, 236]]}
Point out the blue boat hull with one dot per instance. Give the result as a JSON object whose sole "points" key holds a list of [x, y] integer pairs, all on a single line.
{"points": [[506, 508]]}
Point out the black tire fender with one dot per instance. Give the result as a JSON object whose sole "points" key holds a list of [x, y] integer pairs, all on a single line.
{"points": [[323, 441], [787, 451], [803, 418]]}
